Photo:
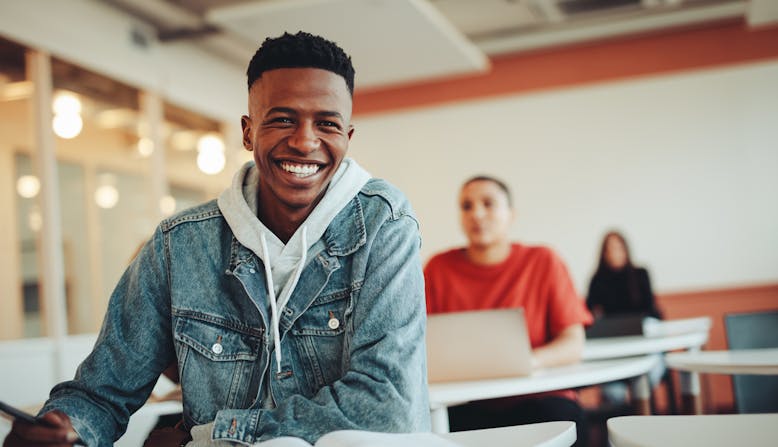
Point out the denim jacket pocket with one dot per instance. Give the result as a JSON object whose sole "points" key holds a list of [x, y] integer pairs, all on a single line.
{"points": [[216, 362], [319, 337]]}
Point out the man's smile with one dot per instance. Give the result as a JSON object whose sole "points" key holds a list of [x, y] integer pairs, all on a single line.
{"points": [[301, 170]]}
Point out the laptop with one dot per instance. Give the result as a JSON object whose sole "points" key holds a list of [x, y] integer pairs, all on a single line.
{"points": [[616, 326], [477, 345]]}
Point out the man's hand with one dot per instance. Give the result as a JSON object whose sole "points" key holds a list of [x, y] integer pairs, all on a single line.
{"points": [[54, 431], [565, 348]]}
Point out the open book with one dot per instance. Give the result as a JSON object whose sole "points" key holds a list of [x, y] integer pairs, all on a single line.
{"points": [[359, 438]]}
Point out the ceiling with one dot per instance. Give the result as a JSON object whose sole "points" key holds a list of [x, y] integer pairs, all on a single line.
{"points": [[403, 41]]}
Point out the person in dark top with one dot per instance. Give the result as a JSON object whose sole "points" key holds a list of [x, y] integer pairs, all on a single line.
{"points": [[620, 288]]}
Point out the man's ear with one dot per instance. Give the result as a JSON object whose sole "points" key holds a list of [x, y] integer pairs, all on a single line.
{"points": [[245, 124], [350, 131]]}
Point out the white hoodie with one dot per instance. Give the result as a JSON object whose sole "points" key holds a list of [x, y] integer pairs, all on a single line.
{"points": [[284, 263]]}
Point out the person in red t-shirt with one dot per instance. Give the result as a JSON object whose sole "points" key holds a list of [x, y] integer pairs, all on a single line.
{"points": [[493, 272]]}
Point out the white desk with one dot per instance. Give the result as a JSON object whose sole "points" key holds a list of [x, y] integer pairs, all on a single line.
{"points": [[545, 434], [752, 430], [742, 361], [444, 395], [614, 347]]}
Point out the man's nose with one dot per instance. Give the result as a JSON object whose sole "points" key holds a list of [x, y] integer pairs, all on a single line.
{"points": [[305, 138], [477, 211]]}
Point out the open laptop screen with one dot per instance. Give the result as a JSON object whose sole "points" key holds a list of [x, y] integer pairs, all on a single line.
{"points": [[475, 345]]}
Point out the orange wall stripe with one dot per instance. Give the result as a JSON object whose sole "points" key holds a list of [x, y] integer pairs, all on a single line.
{"points": [[724, 43]]}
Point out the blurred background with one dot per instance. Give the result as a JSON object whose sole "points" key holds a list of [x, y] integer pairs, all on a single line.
{"points": [[654, 117]]}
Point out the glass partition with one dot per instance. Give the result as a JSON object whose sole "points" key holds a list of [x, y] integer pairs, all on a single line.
{"points": [[106, 165], [199, 155], [75, 246]]}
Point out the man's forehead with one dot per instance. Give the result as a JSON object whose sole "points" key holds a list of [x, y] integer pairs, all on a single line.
{"points": [[482, 189]]}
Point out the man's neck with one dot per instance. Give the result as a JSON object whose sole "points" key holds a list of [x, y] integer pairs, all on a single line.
{"points": [[489, 254], [283, 225]]}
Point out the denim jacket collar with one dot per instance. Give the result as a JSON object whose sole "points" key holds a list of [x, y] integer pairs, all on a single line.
{"points": [[345, 236]]}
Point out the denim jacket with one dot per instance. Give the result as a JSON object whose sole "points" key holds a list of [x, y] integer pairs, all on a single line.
{"points": [[352, 333]]}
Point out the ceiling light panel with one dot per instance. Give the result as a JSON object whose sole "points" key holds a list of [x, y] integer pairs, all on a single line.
{"points": [[390, 41], [489, 16]]}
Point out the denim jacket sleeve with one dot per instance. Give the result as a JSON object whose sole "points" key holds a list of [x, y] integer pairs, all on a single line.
{"points": [[385, 387], [132, 349]]}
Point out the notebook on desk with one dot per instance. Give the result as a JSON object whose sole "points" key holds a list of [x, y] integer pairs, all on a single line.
{"points": [[474, 345]]}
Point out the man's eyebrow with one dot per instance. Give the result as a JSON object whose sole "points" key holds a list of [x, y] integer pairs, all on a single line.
{"points": [[287, 110], [328, 113]]}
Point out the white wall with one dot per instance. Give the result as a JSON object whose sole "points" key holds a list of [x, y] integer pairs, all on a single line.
{"points": [[686, 165]]}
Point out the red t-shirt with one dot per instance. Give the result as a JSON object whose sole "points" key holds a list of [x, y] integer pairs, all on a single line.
{"points": [[534, 278]]}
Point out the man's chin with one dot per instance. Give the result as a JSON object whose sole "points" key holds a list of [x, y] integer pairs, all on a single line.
{"points": [[301, 202], [481, 242]]}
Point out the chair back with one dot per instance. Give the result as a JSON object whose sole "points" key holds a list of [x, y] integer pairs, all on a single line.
{"points": [[753, 393]]}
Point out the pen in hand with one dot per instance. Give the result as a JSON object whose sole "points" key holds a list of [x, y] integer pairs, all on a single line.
{"points": [[29, 424]]}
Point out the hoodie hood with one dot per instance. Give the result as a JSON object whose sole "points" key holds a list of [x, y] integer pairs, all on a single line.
{"points": [[284, 262]]}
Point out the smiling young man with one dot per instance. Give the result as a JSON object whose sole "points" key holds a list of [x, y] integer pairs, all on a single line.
{"points": [[293, 305]]}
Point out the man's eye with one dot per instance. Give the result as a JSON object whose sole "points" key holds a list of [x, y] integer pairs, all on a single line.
{"points": [[280, 120], [329, 124]]}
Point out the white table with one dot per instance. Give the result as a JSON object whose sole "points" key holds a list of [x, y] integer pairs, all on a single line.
{"points": [[615, 347], [752, 430], [544, 434], [742, 361], [444, 395]]}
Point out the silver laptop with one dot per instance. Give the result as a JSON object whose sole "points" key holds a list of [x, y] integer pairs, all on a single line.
{"points": [[476, 345]]}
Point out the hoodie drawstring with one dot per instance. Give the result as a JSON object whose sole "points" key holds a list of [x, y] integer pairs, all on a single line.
{"points": [[275, 308]]}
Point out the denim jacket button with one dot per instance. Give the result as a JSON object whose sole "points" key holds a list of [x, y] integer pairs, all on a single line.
{"points": [[217, 348], [252, 271], [333, 323]]}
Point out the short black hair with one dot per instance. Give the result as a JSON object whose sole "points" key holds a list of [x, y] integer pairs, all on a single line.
{"points": [[301, 50], [487, 178]]}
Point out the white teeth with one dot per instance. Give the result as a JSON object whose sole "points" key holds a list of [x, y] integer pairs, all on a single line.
{"points": [[300, 170]]}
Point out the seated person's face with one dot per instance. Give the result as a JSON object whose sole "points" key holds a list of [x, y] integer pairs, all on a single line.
{"points": [[485, 214], [615, 253], [298, 129]]}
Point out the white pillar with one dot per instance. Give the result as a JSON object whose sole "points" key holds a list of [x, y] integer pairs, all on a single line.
{"points": [[98, 301], [152, 112], [45, 167], [11, 310]]}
